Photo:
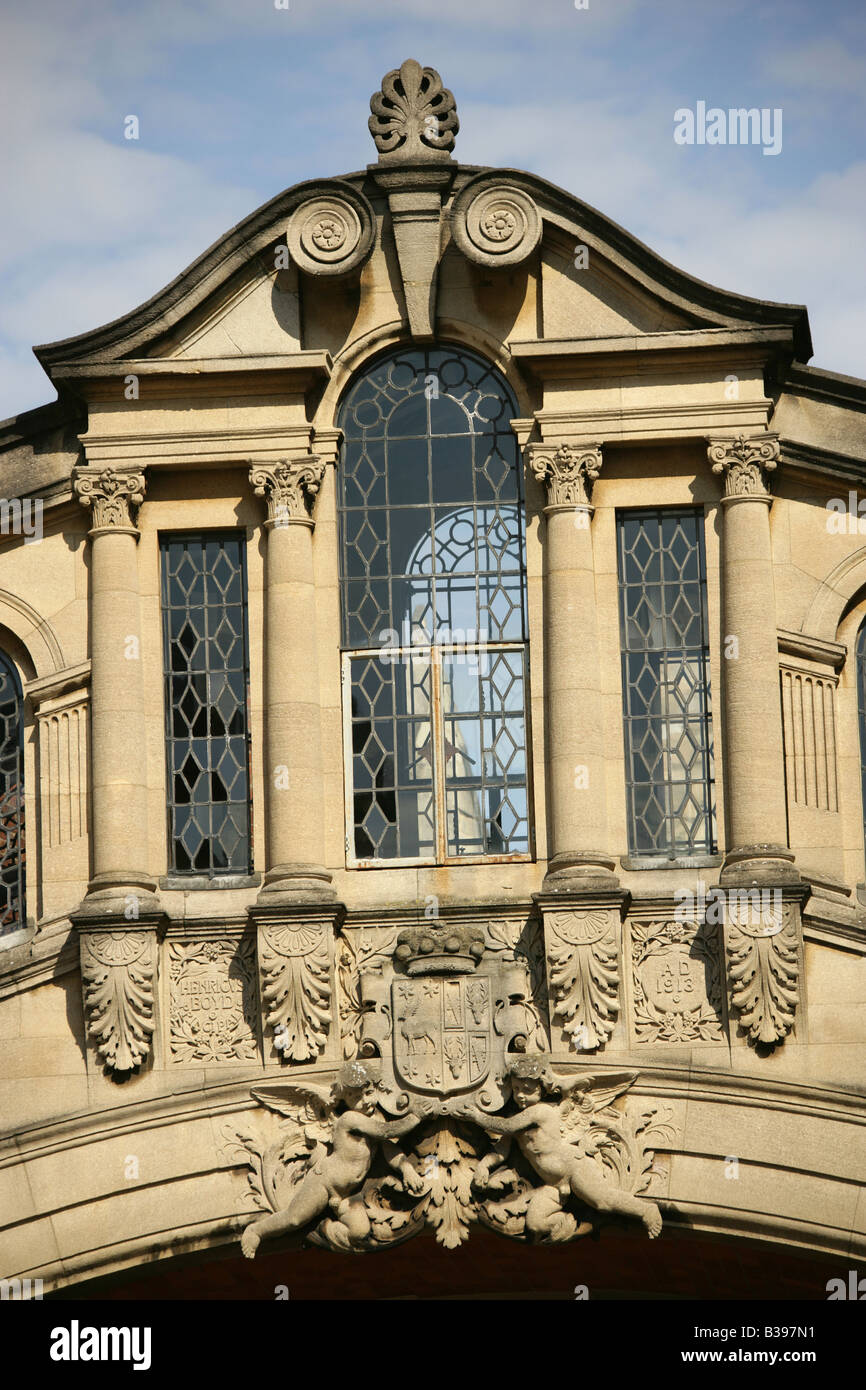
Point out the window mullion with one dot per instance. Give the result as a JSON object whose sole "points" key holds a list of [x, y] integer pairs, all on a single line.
{"points": [[438, 737]]}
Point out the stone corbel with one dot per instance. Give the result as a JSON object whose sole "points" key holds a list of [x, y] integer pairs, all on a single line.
{"points": [[763, 948], [296, 970], [118, 978], [583, 944], [413, 123]]}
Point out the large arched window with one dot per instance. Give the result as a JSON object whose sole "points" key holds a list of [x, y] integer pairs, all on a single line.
{"points": [[12, 908], [434, 612]]}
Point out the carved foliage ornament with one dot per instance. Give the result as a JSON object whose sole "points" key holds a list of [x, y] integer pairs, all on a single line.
{"points": [[296, 972], [289, 487], [338, 1175], [112, 494], [745, 464], [496, 225], [583, 965], [763, 969], [568, 472], [117, 970], [677, 981], [413, 116], [213, 1014]]}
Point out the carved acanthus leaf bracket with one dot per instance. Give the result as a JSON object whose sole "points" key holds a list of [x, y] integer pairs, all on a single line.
{"points": [[118, 970], [583, 969], [763, 969], [114, 496], [413, 116], [289, 487], [295, 961], [745, 463], [568, 472]]}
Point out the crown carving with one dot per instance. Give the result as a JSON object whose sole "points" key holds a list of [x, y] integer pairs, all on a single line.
{"points": [[429, 950], [413, 116]]}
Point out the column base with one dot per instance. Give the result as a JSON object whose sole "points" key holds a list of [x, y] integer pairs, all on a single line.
{"points": [[580, 873], [127, 896], [297, 883], [766, 865]]}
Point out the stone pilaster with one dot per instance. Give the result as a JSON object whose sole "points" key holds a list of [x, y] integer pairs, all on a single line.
{"points": [[578, 856], [294, 807], [753, 750]]}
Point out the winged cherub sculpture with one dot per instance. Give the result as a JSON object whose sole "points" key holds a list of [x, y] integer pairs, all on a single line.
{"points": [[559, 1140], [327, 1156]]}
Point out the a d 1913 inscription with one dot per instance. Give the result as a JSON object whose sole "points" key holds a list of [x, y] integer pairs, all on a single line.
{"points": [[213, 1001]]}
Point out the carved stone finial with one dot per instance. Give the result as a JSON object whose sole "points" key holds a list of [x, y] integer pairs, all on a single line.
{"points": [[414, 116], [745, 463], [290, 487], [568, 472], [112, 494]]}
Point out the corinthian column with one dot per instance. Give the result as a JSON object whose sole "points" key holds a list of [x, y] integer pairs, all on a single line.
{"points": [[572, 681], [293, 737], [118, 770], [120, 919], [753, 752]]}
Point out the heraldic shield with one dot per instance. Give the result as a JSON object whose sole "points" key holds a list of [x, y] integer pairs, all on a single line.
{"points": [[442, 1032], [443, 1016]]}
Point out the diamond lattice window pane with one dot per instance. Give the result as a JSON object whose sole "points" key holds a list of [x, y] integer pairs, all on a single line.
{"points": [[205, 652], [665, 678]]}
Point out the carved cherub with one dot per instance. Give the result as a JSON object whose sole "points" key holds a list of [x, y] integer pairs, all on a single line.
{"points": [[557, 1139], [332, 1179]]}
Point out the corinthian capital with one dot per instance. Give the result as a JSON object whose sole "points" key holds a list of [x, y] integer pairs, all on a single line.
{"points": [[113, 494], [290, 487], [567, 471], [745, 463]]}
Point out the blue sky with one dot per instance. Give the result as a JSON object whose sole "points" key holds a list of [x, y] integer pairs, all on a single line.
{"points": [[237, 99]]}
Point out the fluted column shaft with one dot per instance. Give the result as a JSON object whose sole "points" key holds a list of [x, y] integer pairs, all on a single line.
{"points": [[294, 804]]}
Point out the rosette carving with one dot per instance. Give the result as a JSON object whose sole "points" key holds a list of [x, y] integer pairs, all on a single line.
{"points": [[497, 225], [763, 969], [331, 233], [295, 962], [745, 464], [117, 971], [583, 969], [113, 495], [289, 487], [413, 116], [568, 472]]}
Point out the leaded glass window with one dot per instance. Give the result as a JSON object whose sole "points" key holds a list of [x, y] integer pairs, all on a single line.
{"points": [[12, 909], [861, 712], [206, 681], [665, 683], [433, 611]]}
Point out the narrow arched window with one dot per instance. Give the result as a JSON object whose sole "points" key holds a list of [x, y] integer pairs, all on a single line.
{"points": [[12, 904], [861, 712], [434, 612]]}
